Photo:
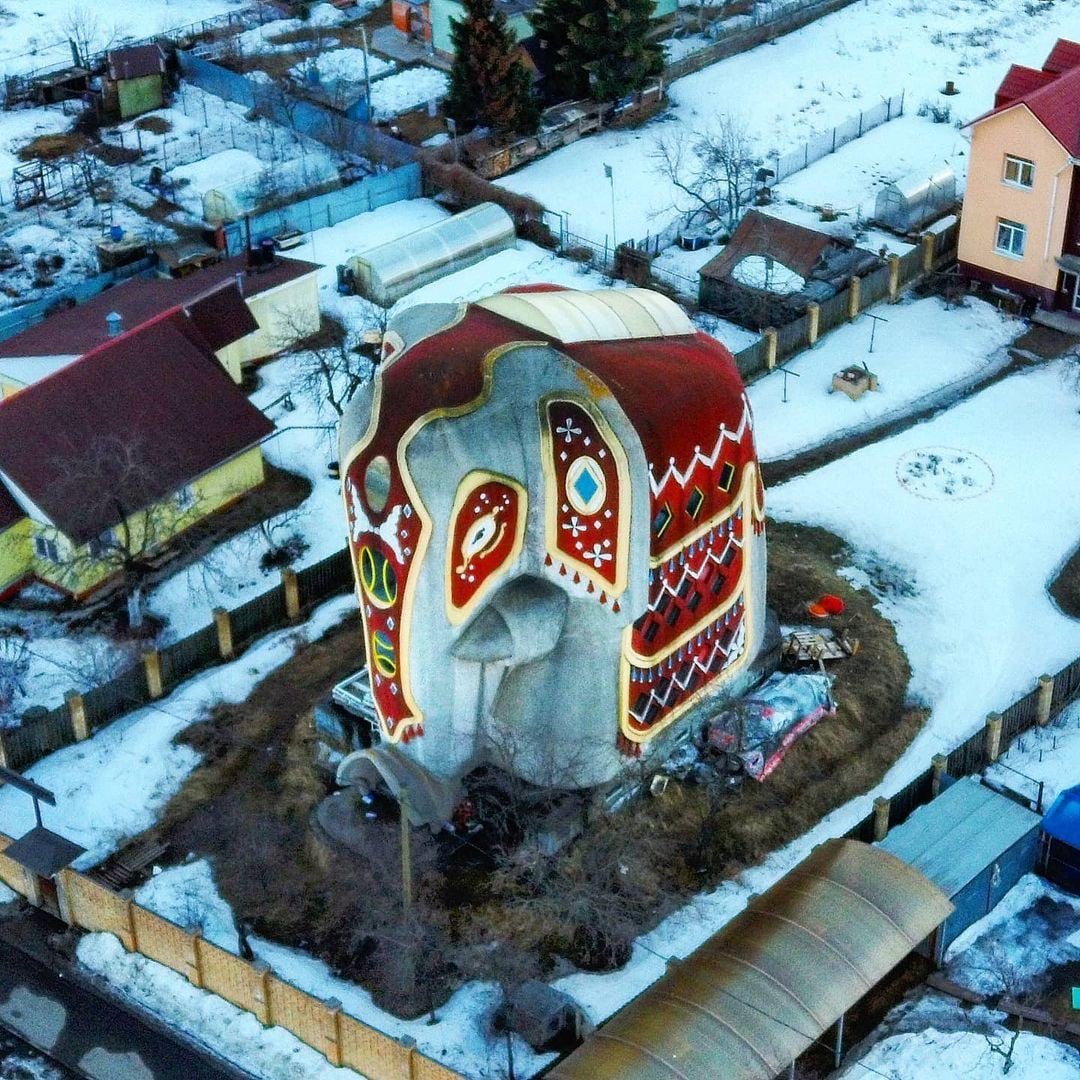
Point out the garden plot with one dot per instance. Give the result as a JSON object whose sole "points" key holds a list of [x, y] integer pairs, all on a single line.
{"points": [[803, 84], [1012, 950], [923, 350], [970, 562], [1049, 755], [35, 35], [342, 68], [316, 29]]}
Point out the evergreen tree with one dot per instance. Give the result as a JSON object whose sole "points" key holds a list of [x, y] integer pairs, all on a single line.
{"points": [[598, 48], [488, 82]]}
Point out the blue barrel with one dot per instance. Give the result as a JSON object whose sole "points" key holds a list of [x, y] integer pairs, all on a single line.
{"points": [[116, 233]]}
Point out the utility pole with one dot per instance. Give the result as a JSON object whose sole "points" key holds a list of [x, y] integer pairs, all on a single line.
{"points": [[611, 176], [367, 77]]}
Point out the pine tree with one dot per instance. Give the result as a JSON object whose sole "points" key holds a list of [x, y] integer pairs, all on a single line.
{"points": [[598, 47], [488, 82]]}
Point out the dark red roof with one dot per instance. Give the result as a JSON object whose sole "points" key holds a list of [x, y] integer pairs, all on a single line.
{"points": [[797, 247], [125, 426], [1019, 81], [1054, 100], [76, 330], [222, 317], [1064, 56], [136, 61], [10, 510]]}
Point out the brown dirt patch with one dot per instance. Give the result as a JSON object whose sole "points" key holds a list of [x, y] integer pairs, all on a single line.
{"points": [[1065, 588], [247, 808], [156, 125], [52, 147]]}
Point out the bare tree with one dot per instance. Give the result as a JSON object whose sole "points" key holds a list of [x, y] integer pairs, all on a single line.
{"points": [[713, 171], [85, 29]]}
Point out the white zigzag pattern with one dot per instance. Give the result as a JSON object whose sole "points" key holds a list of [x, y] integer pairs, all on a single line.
{"points": [[712, 556], [673, 682], [747, 421]]}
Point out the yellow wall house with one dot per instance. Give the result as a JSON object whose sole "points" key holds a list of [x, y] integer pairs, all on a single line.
{"points": [[245, 313], [117, 452], [1021, 223]]}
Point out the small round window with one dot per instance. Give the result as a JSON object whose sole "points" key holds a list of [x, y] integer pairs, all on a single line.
{"points": [[377, 483], [378, 577]]}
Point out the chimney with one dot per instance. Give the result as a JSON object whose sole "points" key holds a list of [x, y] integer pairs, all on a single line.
{"points": [[240, 282], [114, 322]]}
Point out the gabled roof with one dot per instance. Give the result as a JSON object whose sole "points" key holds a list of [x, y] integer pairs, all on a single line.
{"points": [[10, 510], [1052, 95], [797, 247], [129, 423], [76, 330], [136, 61]]}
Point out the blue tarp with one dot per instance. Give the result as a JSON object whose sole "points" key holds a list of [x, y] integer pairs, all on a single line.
{"points": [[1062, 820]]}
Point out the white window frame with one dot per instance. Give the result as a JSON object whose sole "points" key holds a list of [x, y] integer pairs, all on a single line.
{"points": [[1022, 165], [1013, 228], [46, 548]]}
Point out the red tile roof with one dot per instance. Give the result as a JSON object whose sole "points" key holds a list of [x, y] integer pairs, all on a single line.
{"points": [[796, 246], [136, 61], [1063, 56], [125, 426], [1054, 101], [1019, 81], [77, 330]]}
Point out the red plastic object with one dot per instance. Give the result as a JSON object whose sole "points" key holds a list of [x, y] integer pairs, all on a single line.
{"points": [[816, 610], [833, 605]]}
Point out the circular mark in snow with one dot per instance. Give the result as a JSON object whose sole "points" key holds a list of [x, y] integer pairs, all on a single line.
{"points": [[943, 472]]}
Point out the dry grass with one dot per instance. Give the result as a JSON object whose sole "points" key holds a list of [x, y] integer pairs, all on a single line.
{"points": [[52, 147], [248, 808], [156, 125]]}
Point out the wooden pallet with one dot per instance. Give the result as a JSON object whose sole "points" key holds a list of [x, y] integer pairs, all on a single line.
{"points": [[127, 866], [809, 647]]}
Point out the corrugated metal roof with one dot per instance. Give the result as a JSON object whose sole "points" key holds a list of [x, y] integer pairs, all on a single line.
{"points": [[759, 992], [954, 838]]}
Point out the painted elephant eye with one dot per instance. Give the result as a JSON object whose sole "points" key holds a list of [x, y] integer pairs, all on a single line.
{"points": [[487, 527], [383, 654], [378, 577]]}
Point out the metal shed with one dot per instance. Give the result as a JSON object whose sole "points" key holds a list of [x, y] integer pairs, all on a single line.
{"points": [[974, 844], [1061, 853], [758, 993], [913, 201], [390, 271]]}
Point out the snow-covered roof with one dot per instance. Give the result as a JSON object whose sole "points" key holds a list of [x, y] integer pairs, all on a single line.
{"points": [[965, 829]]}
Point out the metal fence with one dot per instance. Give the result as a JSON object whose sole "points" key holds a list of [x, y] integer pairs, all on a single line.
{"points": [[326, 577]]}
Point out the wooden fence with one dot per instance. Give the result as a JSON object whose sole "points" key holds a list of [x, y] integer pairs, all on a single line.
{"points": [[322, 1025], [44, 731], [777, 344], [977, 752]]}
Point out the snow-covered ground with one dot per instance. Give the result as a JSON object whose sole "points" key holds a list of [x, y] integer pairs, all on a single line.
{"points": [[35, 33], [112, 786], [1049, 755], [923, 348], [936, 514], [803, 84], [406, 90]]}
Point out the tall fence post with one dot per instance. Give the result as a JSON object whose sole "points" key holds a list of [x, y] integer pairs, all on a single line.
{"points": [[769, 334], [77, 713], [813, 323], [332, 1050], [155, 685], [196, 975], [894, 278], [993, 737], [223, 625], [881, 817], [261, 971], [1044, 700], [938, 764], [4, 758], [292, 592], [929, 246], [854, 296]]}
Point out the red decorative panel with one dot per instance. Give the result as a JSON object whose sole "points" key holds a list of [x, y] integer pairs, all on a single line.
{"points": [[585, 492], [486, 531]]}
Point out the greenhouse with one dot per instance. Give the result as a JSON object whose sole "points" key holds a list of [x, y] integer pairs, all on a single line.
{"points": [[914, 201], [390, 271]]}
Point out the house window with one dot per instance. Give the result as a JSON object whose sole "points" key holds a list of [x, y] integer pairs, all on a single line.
{"points": [[1010, 238], [101, 545], [185, 497], [1019, 171], [46, 549]]}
